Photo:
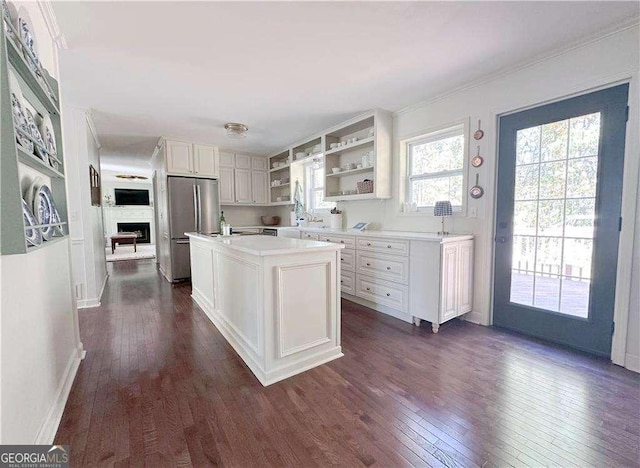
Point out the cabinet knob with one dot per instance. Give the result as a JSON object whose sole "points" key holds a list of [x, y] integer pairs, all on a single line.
{"points": [[388, 294], [341, 281], [368, 244], [341, 259], [368, 289], [388, 246], [342, 242], [327, 240], [388, 268], [368, 264]]}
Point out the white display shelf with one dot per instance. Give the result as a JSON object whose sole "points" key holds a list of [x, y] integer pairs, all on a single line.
{"points": [[351, 146], [350, 172]]}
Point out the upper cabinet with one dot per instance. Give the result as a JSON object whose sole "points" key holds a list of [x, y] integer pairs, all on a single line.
{"points": [[243, 179], [189, 159]]}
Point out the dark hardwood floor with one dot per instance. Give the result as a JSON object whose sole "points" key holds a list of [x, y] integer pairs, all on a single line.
{"points": [[160, 386]]}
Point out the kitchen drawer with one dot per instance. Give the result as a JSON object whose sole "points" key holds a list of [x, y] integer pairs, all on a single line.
{"points": [[389, 267], [382, 292], [349, 242], [309, 235], [347, 282], [396, 247], [348, 260]]}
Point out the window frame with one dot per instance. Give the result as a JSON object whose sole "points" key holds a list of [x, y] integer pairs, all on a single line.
{"points": [[426, 136], [310, 189]]}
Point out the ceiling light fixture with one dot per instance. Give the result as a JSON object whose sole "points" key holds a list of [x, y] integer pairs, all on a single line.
{"points": [[236, 130]]}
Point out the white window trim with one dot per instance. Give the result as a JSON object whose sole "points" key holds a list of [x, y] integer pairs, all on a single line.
{"points": [[431, 134], [308, 191]]}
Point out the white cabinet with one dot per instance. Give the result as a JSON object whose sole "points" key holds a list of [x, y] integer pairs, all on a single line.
{"points": [[205, 159], [259, 187], [242, 180], [259, 164], [414, 278], [226, 184], [227, 160], [242, 161], [184, 158], [179, 157]]}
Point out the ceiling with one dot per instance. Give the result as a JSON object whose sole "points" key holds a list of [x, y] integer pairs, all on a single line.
{"points": [[290, 69]]}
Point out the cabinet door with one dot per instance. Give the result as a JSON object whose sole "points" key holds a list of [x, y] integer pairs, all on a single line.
{"points": [[179, 157], [258, 163], [243, 186], [259, 187], [226, 160], [227, 184], [205, 160], [449, 282], [243, 161], [465, 277]]}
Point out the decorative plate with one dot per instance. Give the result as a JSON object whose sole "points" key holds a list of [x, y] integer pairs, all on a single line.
{"points": [[30, 193], [35, 133], [45, 210], [26, 31], [46, 130], [33, 236]]}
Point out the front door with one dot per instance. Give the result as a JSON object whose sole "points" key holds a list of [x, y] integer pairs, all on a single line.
{"points": [[558, 219]]}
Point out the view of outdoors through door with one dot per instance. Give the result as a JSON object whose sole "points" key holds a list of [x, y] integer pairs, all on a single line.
{"points": [[553, 215]]}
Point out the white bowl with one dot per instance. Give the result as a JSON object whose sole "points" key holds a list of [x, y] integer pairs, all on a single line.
{"points": [[301, 154], [335, 170]]}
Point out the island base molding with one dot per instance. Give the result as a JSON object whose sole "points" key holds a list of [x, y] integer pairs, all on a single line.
{"points": [[236, 341], [275, 301]]}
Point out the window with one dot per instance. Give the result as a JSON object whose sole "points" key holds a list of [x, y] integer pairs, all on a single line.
{"points": [[435, 168], [314, 184]]}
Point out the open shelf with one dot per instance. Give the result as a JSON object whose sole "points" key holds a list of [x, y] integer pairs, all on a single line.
{"points": [[357, 196], [351, 172], [280, 168], [16, 58], [351, 147], [281, 185], [35, 162]]}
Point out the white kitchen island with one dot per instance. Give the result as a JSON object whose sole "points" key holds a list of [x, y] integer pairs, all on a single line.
{"points": [[275, 300]]}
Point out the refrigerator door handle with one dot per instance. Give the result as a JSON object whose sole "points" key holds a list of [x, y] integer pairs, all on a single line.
{"points": [[199, 212], [182, 241], [195, 208]]}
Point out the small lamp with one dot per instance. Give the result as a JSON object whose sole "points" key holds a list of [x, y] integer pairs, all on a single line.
{"points": [[443, 209]]}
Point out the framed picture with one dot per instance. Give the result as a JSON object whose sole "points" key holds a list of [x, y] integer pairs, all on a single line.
{"points": [[94, 183]]}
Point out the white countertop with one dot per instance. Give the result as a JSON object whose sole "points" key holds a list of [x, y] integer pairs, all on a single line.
{"points": [[267, 245], [431, 236]]}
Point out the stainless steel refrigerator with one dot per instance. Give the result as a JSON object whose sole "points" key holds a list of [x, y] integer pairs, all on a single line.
{"points": [[194, 206]]}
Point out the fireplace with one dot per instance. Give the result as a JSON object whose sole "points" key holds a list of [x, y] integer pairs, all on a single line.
{"points": [[143, 230]]}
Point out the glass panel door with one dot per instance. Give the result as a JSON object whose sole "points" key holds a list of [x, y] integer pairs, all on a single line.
{"points": [[557, 219]]}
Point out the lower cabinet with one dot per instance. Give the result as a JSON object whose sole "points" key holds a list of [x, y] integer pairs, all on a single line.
{"points": [[412, 279]]}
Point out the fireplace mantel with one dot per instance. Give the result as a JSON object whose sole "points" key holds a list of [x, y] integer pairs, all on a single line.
{"points": [[127, 214]]}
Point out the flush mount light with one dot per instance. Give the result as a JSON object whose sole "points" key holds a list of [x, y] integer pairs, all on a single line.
{"points": [[236, 130]]}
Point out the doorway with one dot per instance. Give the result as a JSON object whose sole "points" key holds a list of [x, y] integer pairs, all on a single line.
{"points": [[558, 219]]}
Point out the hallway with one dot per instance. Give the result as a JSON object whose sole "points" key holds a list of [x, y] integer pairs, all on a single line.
{"points": [[160, 386]]}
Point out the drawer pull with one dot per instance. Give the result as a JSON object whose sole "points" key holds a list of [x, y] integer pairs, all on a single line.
{"points": [[341, 259], [368, 244], [368, 264], [342, 242], [341, 281], [388, 246], [388, 294], [327, 240], [388, 268], [368, 289]]}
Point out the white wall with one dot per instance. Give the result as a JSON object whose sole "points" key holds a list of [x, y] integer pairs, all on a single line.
{"points": [[40, 347], [250, 216], [606, 61], [85, 220]]}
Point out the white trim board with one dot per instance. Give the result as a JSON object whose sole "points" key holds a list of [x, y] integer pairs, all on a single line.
{"points": [[49, 426]]}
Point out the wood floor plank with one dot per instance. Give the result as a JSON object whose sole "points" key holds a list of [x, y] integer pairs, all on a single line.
{"points": [[160, 386]]}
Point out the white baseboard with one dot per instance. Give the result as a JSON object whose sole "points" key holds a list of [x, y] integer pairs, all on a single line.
{"points": [[96, 301], [49, 427], [632, 362]]}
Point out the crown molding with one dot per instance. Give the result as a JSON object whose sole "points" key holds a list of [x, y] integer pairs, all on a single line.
{"points": [[46, 8], [630, 23], [92, 127]]}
